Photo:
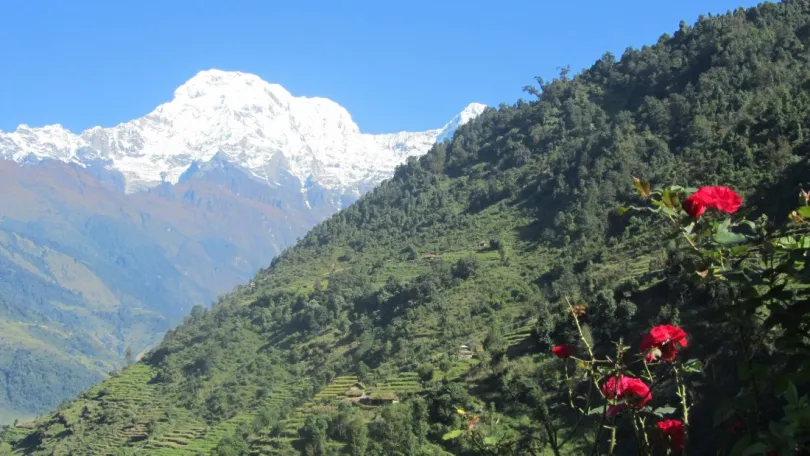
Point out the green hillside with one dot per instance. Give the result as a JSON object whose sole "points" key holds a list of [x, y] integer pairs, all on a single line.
{"points": [[351, 341]]}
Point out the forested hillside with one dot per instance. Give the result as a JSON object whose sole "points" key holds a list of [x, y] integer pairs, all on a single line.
{"points": [[434, 302]]}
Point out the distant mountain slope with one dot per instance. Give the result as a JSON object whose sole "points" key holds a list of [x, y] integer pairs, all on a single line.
{"points": [[473, 245], [109, 238], [89, 271]]}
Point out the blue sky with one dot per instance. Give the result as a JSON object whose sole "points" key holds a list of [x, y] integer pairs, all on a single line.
{"points": [[405, 65]]}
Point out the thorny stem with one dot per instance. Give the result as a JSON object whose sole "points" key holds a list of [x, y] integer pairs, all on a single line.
{"points": [[612, 439], [684, 403], [639, 445], [570, 389], [647, 369], [644, 433], [592, 361], [602, 425], [603, 421], [579, 328], [581, 417], [682, 395], [686, 236]]}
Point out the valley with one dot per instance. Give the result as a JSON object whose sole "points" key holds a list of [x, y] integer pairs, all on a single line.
{"points": [[99, 256]]}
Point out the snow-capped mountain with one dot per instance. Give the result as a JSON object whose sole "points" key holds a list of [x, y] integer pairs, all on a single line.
{"points": [[255, 126]]}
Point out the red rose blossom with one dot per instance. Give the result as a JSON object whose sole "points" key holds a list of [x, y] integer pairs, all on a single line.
{"points": [[693, 207], [664, 338], [673, 431], [562, 351], [726, 200], [721, 198], [631, 390]]}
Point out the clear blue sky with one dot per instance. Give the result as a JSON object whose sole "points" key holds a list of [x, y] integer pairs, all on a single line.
{"points": [[404, 65]]}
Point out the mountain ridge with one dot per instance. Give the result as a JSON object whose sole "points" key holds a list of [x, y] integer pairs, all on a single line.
{"points": [[258, 126]]}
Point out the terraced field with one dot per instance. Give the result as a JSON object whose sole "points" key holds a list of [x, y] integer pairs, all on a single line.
{"points": [[266, 445], [336, 389], [178, 438], [520, 332], [404, 383]]}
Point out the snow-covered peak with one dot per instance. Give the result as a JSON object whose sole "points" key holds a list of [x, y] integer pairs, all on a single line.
{"points": [[50, 141], [472, 111], [257, 126], [218, 81], [233, 89]]}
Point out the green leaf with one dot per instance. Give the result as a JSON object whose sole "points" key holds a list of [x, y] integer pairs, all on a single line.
{"points": [[643, 187], [596, 411], [661, 411], [749, 224], [621, 210], [757, 448], [739, 249], [489, 440], [676, 200], [452, 434], [693, 365], [791, 395], [727, 237], [804, 211], [670, 198]]}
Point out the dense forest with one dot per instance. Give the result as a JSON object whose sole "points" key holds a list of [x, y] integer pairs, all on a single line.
{"points": [[484, 300]]}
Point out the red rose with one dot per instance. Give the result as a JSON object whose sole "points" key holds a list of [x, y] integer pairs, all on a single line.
{"points": [[562, 351], [673, 431], [726, 200], [694, 207], [738, 425], [631, 390], [721, 198], [666, 339]]}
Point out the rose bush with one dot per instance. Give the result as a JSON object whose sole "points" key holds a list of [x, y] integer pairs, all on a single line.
{"points": [[626, 394]]}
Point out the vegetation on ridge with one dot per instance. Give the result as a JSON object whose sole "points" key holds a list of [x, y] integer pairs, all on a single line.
{"points": [[478, 243]]}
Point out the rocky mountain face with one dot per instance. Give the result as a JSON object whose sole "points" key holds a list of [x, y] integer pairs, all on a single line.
{"points": [[109, 237]]}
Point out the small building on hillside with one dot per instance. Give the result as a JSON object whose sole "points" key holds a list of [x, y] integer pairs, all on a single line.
{"points": [[379, 398], [464, 352], [356, 391]]}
